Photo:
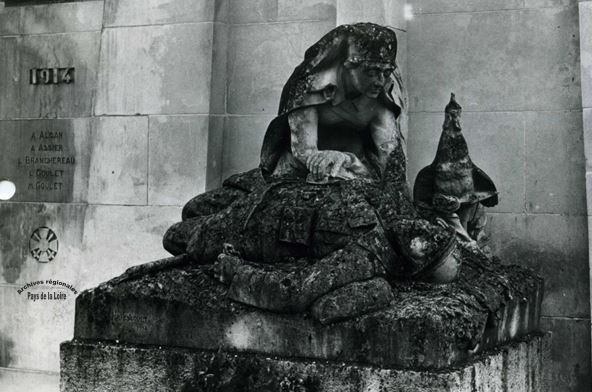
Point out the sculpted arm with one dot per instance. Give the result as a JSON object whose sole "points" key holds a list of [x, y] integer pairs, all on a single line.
{"points": [[304, 135], [385, 133], [304, 127]]}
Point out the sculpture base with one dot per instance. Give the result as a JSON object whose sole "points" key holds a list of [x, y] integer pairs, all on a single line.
{"points": [[103, 366]]}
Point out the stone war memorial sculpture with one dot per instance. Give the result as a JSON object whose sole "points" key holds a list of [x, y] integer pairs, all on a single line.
{"points": [[319, 270]]}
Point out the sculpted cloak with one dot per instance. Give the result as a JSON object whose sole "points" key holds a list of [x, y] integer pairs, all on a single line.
{"points": [[318, 80]]}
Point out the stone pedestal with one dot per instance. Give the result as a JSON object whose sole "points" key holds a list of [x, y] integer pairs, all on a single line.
{"points": [[101, 366], [169, 325]]}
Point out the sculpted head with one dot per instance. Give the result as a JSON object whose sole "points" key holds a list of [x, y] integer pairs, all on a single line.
{"points": [[371, 59], [367, 79]]}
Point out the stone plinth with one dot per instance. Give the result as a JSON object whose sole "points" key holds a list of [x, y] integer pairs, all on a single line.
{"points": [[102, 366], [425, 325]]}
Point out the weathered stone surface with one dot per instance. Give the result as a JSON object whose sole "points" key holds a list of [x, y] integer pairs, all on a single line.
{"points": [[152, 12], [586, 52], [254, 87], [426, 326], [23, 380], [79, 50], [178, 158], [569, 366], [489, 373], [535, 66], [307, 10], [31, 331], [554, 246], [551, 58], [255, 11], [10, 21], [112, 235], [119, 162], [219, 69], [99, 365], [165, 83], [243, 136], [62, 18], [555, 165], [10, 67], [587, 127], [503, 162], [551, 3], [452, 6], [352, 300], [85, 234], [215, 146], [589, 192], [402, 64], [385, 12], [17, 265], [48, 160]]}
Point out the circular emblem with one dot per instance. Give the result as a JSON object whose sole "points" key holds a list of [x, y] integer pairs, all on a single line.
{"points": [[43, 244]]}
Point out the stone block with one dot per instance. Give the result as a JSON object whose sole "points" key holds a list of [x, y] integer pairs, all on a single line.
{"points": [[554, 246], [254, 11], [516, 365], [586, 52], [288, 10], [500, 60], [489, 373], [254, 86], [153, 12], [10, 20], [569, 366], [17, 265], [178, 158], [31, 331], [551, 59], [243, 136], [9, 65], [550, 3], [78, 50], [96, 366], [23, 380], [453, 6], [589, 193], [144, 308], [119, 161], [62, 18], [155, 70], [555, 163], [384, 12], [496, 145], [121, 237], [587, 125], [48, 160]]}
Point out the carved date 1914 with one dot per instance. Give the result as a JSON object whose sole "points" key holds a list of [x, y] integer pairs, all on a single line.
{"points": [[51, 75]]}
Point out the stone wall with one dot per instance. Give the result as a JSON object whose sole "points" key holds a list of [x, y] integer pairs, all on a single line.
{"points": [[515, 68], [135, 135]]}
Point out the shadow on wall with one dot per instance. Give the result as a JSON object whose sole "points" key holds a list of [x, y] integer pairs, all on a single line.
{"points": [[6, 347]]}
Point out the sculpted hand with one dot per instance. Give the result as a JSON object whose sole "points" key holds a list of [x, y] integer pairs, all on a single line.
{"points": [[326, 163]]}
